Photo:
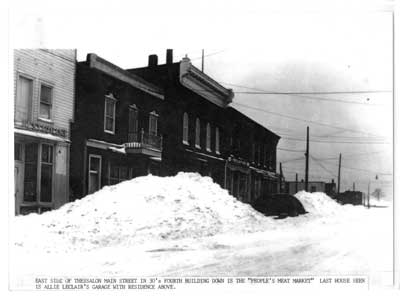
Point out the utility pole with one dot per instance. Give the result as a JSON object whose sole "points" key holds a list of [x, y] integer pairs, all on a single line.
{"points": [[202, 60], [297, 187], [307, 154], [340, 165], [354, 186], [369, 183], [280, 177]]}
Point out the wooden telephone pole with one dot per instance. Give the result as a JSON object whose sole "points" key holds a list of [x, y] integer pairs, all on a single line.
{"points": [[340, 165], [280, 177], [307, 154], [369, 184]]}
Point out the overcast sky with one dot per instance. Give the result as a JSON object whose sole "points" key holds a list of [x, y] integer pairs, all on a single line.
{"points": [[256, 48]]}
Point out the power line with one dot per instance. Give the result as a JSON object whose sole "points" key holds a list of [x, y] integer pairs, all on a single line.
{"points": [[208, 55], [302, 95], [292, 160], [348, 156], [341, 138], [304, 120], [289, 150], [305, 93], [361, 169], [322, 166], [320, 141]]}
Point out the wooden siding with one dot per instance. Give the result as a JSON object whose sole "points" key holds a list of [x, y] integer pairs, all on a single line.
{"points": [[55, 68]]}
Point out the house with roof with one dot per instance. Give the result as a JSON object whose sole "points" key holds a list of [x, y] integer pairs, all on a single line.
{"points": [[118, 129], [44, 88], [203, 133]]}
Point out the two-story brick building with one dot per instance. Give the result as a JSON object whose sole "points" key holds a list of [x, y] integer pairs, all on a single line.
{"points": [[204, 134], [251, 157], [117, 133], [44, 98], [162, 119]]}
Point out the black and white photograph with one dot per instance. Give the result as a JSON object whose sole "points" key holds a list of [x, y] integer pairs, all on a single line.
{"points": [[201, 147]]}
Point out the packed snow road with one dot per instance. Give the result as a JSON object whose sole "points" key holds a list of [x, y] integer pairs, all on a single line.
{"points": [[188, 226]]}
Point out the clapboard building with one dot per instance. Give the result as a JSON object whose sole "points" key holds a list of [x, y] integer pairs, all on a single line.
{"points": [[43, 109]]}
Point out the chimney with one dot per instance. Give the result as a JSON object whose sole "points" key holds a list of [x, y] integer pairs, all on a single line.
{"points": [[169, 56], [153, 60]]}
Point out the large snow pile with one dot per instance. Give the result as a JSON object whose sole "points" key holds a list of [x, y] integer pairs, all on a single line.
{"points": [[137, 211], [318, 203]]}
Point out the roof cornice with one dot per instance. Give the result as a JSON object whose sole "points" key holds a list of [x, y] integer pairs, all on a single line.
{"points": [[107, 67], [200, 83]]}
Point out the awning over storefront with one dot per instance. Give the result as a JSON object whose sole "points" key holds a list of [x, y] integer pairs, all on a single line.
{"points": [[155, 159], [120, 150], [40, 135], [265, 173]]}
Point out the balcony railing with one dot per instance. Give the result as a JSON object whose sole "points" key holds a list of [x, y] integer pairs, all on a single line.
{"points": [[144, 140]]}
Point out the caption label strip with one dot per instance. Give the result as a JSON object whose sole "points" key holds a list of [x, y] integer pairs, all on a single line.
{"points": [[165, 283]]}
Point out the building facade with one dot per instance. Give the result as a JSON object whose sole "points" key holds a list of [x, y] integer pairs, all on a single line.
{"points": [[206, 135], [117, 133], [43, 109], [163, 119]]}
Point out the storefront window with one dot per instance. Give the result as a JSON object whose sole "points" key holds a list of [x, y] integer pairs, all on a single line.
{"points": [[118, 174], [30, 176], [18, 151], [46, 173]]}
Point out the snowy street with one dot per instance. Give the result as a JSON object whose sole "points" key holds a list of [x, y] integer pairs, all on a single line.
{"points": [[231, 239]]}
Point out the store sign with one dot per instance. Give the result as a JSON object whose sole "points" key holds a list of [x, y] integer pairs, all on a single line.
{"points": [[38, 127]]}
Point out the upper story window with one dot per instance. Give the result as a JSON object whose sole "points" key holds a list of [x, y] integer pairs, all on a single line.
{"points": [[23, 99], [217, 140], [133, 124], [208, 137], [185, 135], [197, 139], [46, 94], [153, 121], [109, 113]]}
